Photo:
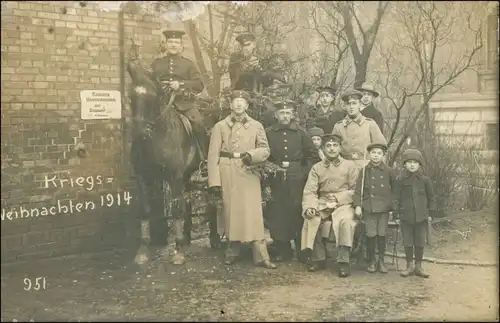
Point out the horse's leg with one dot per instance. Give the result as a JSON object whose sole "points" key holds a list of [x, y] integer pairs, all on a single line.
{"points": [[178, 209], [188, 224], [143, 254]]}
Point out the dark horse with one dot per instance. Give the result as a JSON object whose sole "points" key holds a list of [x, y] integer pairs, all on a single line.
{"points": [[163, 151]]}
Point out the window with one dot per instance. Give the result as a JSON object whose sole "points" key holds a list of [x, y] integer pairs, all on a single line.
{"points": [[492, 136], [492, 41]]}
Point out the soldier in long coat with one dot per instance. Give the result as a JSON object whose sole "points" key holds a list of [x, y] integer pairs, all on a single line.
{"points": [[326, 114], [293, 150], [367, 107], [237, 142], [356, 130], [327, 201], [180, 74]]}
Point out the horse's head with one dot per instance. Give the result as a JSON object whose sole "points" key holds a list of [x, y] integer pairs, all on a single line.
{"points": [[144, 95]]}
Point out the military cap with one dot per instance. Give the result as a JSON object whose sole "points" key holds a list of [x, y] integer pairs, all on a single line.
{"points": [[377, 145], [315, 131], [245, 37], [413, 154], [240, 94], [351, 93], [328, 89], [368, 87], [286, 104], [173, 34], [331, 137]]}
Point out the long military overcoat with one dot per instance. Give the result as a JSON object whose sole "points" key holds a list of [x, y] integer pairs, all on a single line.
{"points": [[242, 218], [291, 145]]}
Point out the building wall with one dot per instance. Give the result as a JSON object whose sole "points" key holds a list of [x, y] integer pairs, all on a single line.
{"points": [[50, 52]]}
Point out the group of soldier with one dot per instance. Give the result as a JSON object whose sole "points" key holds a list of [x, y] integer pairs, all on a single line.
{"points": [[333, 177]]}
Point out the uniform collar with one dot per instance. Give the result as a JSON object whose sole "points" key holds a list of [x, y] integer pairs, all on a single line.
{"points": [[359, 119], [230, 120], [292, 126], [327, 163]]}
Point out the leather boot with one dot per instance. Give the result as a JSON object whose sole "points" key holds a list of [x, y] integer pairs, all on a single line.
{"points": [[409, 263], [370, 246], [419, 271], [344, 270], [381, 253], [316, 265]]}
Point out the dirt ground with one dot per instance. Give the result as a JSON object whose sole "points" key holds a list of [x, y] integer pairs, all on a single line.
{"points": [[110, 287]]}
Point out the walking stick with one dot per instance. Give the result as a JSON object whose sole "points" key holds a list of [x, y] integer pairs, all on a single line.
{"points": [[363, 181]]}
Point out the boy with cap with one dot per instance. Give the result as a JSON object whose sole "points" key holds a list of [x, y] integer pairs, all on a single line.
{"points": [[181, 75], [374, 201], [236, 142], [316, 133], [356, 130], [416, 201], [327, 201], [293, 150]]}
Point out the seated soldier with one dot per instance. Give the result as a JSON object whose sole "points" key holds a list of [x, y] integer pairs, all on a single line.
{"points": [[328, 196], [180, 74]]}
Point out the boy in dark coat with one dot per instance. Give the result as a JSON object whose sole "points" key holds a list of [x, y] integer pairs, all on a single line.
{"points": [[416, 201], [373, 199]]}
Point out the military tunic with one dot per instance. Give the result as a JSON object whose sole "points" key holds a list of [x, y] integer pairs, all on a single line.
{"points": [[288, 144], [356, 135], [371, 112], [325, 182], [241, 79], [327, 120], [183, 70]]}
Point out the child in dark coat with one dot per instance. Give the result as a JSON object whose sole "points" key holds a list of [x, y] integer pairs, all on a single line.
{"points": [[374, 201], [416, 202]]}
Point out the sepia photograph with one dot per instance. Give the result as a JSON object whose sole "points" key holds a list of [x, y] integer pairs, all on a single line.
{"points": [[272, 161]]}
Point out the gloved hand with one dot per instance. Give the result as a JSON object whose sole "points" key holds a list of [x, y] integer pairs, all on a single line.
{"points": [[310, 213], [215, 191], [246, 159], [358, 213]]}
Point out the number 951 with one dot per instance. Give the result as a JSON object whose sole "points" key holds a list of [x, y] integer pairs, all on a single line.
{"points": [[40, 283]]}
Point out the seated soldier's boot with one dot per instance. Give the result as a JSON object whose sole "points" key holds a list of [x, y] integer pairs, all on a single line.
{"points": [[316, 266], [267, 264], [344, 269]]}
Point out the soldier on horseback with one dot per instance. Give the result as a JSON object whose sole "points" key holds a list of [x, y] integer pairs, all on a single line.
{"points": [[179, 74]]}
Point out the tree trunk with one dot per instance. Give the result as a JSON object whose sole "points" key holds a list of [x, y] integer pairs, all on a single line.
{"points": [[361, 64], [199, 57]]}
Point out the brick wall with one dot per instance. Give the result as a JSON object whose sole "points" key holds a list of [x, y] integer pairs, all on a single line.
{"points": [[50, 52]]}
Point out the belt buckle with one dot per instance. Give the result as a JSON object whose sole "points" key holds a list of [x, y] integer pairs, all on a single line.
{"points": [[236, 155], [285, 164]]}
